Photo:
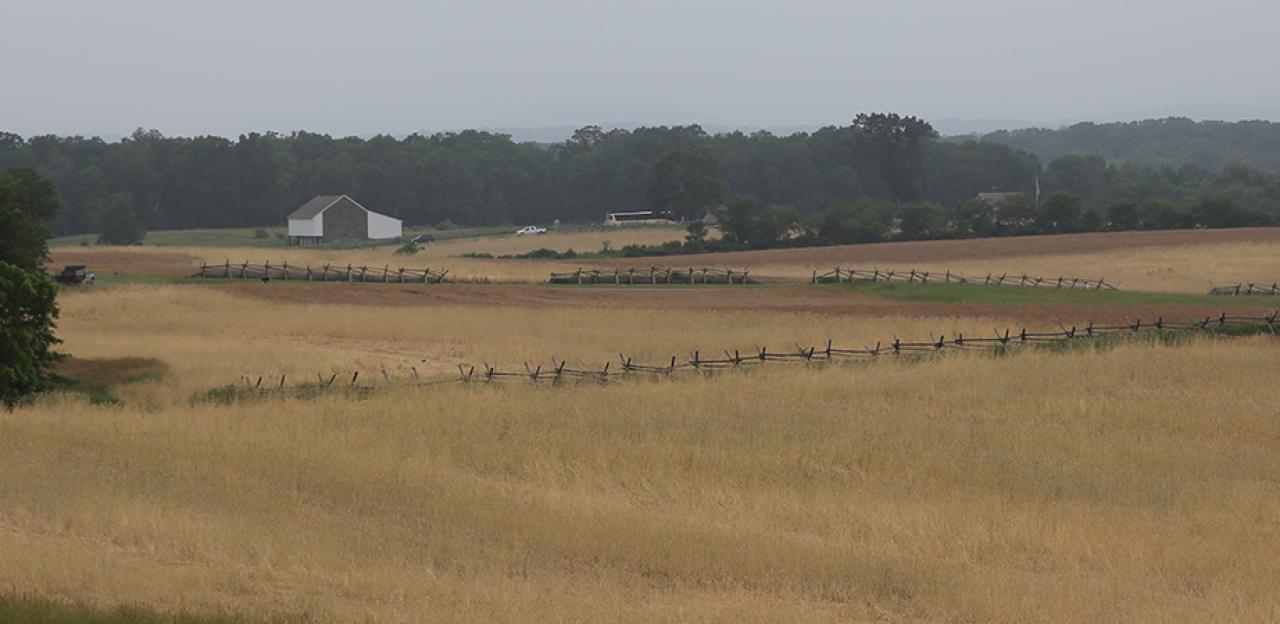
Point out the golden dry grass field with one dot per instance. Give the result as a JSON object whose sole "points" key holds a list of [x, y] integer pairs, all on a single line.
{"points": [[1138, 483], [1187, 261]]}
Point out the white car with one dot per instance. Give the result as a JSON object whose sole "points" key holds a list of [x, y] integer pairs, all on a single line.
{"points": [[531, 229]]}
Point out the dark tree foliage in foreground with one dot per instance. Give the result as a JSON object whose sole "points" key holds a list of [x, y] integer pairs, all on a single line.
{"points": [[27, 293]]}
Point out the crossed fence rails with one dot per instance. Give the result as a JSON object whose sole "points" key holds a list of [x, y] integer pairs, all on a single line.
{"points": [[847, 275], [326, 273], [1246, 290], [654, 275], [560, 371]]}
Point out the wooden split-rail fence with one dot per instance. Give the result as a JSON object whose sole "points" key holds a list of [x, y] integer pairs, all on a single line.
{"points": [[654, 275], [840, 275], [325, 273], [1240, 290], [699, 361]]}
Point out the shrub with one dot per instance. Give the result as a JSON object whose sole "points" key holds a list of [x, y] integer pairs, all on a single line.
{"points": [[260, 233], [446, 225], [408, 249]]}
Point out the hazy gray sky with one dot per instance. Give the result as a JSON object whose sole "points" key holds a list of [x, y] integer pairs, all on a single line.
{"points": [[231, 66]]}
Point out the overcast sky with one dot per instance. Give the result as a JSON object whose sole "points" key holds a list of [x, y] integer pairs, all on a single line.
{"points": [[396, 66]]}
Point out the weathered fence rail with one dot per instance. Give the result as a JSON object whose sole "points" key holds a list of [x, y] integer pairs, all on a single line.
{"points": [[654, 275], [1243, 290], [324, 273], [697, 361], [840, 275]]}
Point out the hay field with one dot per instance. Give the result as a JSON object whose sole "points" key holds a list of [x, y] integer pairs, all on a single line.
{"points": [[1164, 261], [211, 336], [1185, 261], [1135, 485], [1179, 268]]}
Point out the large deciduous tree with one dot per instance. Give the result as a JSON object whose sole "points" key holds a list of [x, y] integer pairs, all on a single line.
{"points": [[27, 293], [899, 145], [28, 202], [686, 182]]}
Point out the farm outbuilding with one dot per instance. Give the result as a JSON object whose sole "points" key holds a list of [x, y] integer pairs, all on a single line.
{"points": [[338, 217]]}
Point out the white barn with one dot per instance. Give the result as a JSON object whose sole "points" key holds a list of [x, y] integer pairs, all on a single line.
{"points": [[338, 217]]}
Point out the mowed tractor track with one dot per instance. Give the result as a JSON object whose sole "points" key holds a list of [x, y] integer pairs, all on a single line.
{"points": [[831, 301]]}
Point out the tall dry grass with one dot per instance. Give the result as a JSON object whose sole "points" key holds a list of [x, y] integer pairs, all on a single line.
{"points": [[1135, 485], [210, 337]]}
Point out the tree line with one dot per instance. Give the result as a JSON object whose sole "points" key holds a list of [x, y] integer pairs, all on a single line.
{"points": [[882, 176], [1172, 142]]}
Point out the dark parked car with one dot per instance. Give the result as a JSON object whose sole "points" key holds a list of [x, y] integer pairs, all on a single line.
{"points": [[74, 275], [424, 239]]}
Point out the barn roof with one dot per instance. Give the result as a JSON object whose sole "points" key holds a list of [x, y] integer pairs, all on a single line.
{"points": [[317, 205], [321, 203]]}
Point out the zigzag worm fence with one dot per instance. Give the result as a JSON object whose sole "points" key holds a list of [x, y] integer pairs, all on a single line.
{"points": [[559, 370], [326, 273], [1241, 290], [654, 275], [840, 275]]}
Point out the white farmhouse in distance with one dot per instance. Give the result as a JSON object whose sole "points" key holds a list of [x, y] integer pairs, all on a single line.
{"points": [[337, 217]]}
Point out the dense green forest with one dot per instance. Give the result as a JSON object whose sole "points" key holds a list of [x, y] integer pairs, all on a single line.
{"points": [[1172, 142], [918, 183]]}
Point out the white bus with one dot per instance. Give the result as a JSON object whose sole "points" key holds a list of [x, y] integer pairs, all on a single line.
{"points": [[643, 217]]}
